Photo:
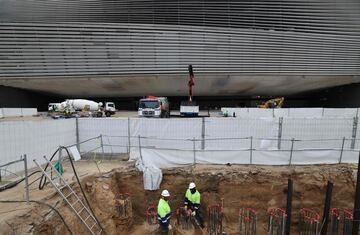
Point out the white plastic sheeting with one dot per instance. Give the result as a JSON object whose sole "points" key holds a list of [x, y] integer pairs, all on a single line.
{"points": [[306, 112], [114, 133], [29, 111], [292, 112], [224, 133], [166, 133], [176, 158], [321, 133], [33, 138]]}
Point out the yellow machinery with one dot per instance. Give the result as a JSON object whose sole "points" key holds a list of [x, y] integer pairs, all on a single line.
{"points": [[273, 103]]}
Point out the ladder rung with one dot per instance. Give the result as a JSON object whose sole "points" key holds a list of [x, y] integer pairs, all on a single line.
{"points": [[93, 225], [74, 203], [65, 186], [80, 210], [87, 218], [72, 192]]}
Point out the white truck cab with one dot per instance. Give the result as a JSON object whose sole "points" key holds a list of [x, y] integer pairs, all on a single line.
{"points": [[109, 109], [154, 107]]}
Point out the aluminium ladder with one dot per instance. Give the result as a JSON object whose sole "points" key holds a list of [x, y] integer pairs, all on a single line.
{"points": [[73, 200]]}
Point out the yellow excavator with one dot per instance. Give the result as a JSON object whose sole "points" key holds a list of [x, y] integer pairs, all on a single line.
{"points": [[273, 103]]}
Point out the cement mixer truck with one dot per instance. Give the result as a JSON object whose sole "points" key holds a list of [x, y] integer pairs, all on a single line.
{"points": [[82, 108]]}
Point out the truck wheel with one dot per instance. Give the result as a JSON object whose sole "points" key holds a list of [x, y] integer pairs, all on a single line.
{"points": [[99, 114], [107, 114]]}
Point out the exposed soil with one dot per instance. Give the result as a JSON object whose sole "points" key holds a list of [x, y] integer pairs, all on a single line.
{"points": [[236, 186]]}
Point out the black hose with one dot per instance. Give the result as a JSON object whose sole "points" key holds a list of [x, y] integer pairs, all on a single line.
{"points": [[13, 184], [45, 204], [41, 186], [43, 178]]}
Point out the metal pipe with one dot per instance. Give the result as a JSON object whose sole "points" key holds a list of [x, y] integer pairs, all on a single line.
{"points": [[357, 203], [280, 132], [77, 134], [291, 151], [128, 130], [27, 196], [102, 146], [289, 207], [251, 148], [140, 148], [194, 150], [327, 205], [342, 150]]}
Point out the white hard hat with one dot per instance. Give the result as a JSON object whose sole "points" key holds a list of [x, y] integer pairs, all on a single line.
{"points": [[165, 193], [192, 185]]}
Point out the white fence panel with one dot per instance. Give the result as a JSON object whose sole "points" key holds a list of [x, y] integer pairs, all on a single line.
{"points": [[166, 133], [28, 111], [114, 133], [12, 112], [34, 138], [322, 133], [281, 112], [221, 133], [261, 113], [337, 113], [306, 112]]}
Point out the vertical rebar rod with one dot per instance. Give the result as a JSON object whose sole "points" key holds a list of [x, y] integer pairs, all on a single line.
{"points": [[26, 180], [291, 150], [357, 203], [289, 206], [342, 150], [327, 205]]}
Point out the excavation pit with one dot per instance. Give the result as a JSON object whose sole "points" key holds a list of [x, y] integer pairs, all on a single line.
{"points": [[232, 187]]}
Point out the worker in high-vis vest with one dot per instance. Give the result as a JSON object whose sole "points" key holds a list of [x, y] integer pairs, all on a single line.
{"points": [[164, 213], [192, 203]]}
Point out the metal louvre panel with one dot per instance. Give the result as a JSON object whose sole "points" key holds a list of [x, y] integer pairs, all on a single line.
{"points": [[55, 38]]}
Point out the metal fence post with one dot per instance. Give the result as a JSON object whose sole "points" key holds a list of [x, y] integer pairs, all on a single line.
{"points": [[342, 149], [355, 124], [77, 134], [291, 150], [194, 151], [26, 179], [128, 130], [140, 149], [251, 148], [102, 146], [280, 132], [203, 134], [60, 154]]}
